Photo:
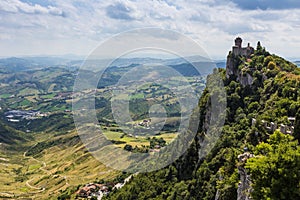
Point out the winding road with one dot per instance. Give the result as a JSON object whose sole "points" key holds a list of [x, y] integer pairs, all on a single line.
{"points": [[42, 168]]}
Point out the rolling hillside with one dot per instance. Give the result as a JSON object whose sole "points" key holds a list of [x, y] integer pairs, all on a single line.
{"points": [[10, 136]]}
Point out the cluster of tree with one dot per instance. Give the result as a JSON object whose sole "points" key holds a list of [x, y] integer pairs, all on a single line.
{"points": [[41, 146], [275, 170], [155, 143], [11, 138], [58, 123]]}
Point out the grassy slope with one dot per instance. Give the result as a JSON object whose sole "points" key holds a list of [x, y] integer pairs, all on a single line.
{"points": [[43, 173], [9, 135]]}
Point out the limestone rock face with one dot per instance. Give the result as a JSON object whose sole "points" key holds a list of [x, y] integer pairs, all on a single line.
{"points": [[245, 79], [244, 187], [231, 69]]}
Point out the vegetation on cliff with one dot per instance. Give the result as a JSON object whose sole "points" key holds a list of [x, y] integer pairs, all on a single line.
{"points": [[275, 171], [274, 96]]}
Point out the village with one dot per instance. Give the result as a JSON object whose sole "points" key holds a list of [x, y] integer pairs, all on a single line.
{"points": [[98, 190]]}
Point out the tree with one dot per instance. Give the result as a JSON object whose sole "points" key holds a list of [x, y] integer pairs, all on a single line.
{"points": [[271, 65], [258, 47], [297, 126], [275, 170], [128, 147]]}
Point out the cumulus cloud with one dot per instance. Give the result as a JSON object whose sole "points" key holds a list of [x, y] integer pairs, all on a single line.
{"points": [[16, 6], [212, 23], [119, 11]]}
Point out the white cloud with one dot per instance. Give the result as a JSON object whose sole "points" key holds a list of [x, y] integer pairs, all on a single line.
{"points": [[56, 28], [123, 10], [16, 6]]}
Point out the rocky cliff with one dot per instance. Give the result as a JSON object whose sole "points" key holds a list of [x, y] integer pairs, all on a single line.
{"points": [[234, 61]]}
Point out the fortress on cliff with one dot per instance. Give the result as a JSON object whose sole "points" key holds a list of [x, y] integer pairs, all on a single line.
{"points": [[238, 50], [232, 63]]}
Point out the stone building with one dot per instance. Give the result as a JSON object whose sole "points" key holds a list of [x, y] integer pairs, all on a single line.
{"points": [[238, 50], [232, 63]]}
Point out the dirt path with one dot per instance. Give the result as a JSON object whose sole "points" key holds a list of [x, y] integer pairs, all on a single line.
{"points": [[6, 194], [42, 168], [33, 187]]}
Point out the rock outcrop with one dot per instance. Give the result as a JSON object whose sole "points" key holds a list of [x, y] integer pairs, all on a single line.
{"points": [[244, 187], [245, 79]]}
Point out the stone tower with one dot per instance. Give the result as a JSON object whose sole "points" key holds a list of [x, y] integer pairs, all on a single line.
{"points": [[238, 42], [238, 50]]}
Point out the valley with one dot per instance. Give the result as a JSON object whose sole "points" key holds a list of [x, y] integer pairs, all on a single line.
{"points": [[41, 154]]}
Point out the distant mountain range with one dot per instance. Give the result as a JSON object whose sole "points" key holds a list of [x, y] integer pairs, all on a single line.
{"points": [[15, 64]]}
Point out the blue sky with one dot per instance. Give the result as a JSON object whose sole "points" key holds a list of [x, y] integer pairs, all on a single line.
{"points": [[267, 4], [44, 27]]}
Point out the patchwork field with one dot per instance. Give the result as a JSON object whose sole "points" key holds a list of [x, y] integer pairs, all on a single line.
{"points": [[42, 156]]}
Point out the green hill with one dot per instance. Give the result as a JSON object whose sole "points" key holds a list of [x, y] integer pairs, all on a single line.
{"points": [[10, 136], [260, 86]]}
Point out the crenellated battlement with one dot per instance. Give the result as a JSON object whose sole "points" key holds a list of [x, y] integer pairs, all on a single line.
{"points": [[238, 50]]}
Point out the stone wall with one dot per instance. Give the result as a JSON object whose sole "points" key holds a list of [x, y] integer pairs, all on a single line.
{"points": [[272, 126], [244, 51], [244, 187]]}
